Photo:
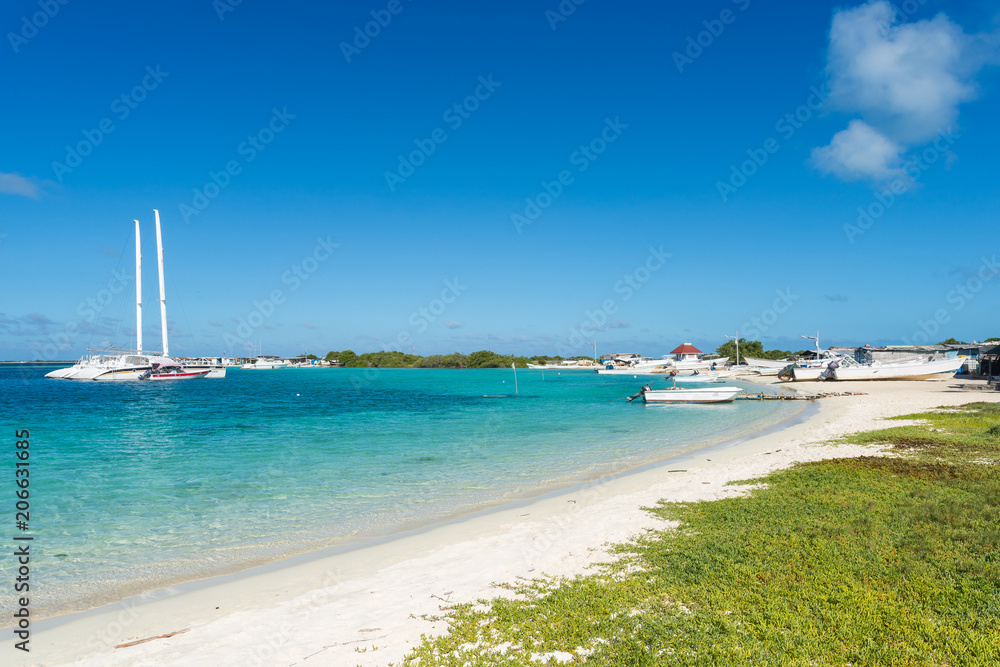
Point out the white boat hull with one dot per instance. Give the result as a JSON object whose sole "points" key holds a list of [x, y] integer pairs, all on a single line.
{"points": [[116, 374], [699, 364], [766, 363], [808, 373], [213, 372], [695, 379], [698, 395], [915, 371]]}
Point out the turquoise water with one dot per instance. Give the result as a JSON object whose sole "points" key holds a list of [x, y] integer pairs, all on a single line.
{"points": [[140, 485]]}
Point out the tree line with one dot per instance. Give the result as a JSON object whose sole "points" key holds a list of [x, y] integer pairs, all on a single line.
{"points": [[396, 359]]}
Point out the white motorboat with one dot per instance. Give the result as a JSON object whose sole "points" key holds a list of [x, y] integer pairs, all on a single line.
{"points": [[696, 378], [690, 395], [266, 363], [913, 370], [214, 368], [699, 364], [756, 363], [686, 359]]}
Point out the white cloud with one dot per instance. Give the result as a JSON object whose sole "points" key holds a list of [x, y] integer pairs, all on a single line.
{"points": [[860, 152], [452, 324], [15, 184], [905, 80], [908, 78]]}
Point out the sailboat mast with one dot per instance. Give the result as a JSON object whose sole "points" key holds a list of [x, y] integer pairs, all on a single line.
{"points": [[138, 289], [163, 292]]}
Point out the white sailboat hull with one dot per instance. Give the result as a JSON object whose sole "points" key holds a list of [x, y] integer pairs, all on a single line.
{"points": [[266, 366]]}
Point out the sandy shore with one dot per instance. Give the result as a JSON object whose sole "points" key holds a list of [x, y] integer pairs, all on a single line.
{"points": [[369, 606]]}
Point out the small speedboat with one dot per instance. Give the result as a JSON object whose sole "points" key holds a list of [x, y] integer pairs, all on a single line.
{"points": [[692, 395]]}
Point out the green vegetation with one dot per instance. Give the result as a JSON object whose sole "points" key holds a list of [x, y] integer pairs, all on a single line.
{"points": [[952, 341], [867, 561], [754, 348], [395, 359]]}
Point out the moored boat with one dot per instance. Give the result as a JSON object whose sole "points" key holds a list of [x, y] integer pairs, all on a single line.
{"points": [[264, 363], [214, 369], [690, 395], [110, 365]]}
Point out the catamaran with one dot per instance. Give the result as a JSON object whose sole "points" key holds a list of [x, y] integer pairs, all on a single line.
{"points": [[111, 365]]}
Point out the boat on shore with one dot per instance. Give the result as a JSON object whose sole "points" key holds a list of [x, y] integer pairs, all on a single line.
{"points": [[697, 378], [756, 363], [912, 370], [266, 363]]}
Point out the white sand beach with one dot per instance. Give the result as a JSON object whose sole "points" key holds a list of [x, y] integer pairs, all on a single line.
{"points": [[369, 606]]}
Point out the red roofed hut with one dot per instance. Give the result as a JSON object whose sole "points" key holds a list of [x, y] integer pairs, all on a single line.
{"points": [[686, 352]]}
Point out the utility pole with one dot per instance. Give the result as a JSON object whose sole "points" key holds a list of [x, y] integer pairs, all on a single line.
{"points": [[737, 337]]}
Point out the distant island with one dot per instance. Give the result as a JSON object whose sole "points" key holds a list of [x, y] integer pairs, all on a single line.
{"points": [[396, 359]]}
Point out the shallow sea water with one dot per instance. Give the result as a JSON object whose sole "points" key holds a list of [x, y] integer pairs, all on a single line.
{"points": [[138, 485]]}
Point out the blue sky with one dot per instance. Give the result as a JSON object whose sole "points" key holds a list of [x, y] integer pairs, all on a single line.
{"points": [[526, 177]]}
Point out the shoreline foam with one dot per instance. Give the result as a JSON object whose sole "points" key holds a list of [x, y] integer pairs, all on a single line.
{"points": [[377, 596]]}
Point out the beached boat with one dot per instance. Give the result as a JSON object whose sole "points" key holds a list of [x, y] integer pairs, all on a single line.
{"points": [[696, 378], [699, 364], [914, 370], [809, 373], [756, 363], [693, 395]]}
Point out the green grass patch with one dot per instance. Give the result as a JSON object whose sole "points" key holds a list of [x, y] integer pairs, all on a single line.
{"points": [[867, 561], [968, 433]]}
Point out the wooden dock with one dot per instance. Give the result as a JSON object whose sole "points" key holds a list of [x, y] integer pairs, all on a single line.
{"points": [[794, 397]]}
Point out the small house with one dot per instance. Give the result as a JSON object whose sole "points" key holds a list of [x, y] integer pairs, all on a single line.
{"points": [[686, 352]]}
